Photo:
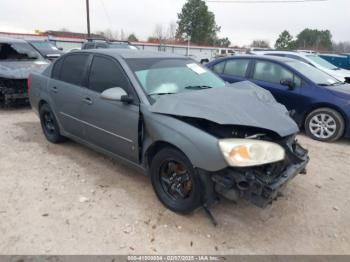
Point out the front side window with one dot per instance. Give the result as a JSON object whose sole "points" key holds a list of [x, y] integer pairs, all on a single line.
{"points": [[73, 68], [164, 76], [237, 67], [271, 72], [219, 68], [105, 74]]}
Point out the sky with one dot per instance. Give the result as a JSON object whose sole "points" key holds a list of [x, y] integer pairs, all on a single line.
{"points": [[240, 22]]}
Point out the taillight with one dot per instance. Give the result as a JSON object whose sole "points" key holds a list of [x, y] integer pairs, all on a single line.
{"points": [[29, 82]]}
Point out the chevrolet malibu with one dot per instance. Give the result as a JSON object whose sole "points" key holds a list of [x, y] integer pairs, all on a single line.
{"points": [[176, 121]]}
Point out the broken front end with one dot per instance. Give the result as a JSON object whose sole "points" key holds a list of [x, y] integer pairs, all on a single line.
{"points": [[13, 91], [260, 165]]}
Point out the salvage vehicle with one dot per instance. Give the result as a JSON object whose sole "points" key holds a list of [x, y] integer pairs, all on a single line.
{"points": [[46, 49], [17, 60], [175, 120], [318, 102]]}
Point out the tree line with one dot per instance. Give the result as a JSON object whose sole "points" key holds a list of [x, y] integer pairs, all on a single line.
{"points": [[308, 39], [196, 23]]}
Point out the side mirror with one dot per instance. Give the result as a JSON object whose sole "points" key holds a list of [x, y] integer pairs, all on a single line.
{"points": [[60, 48], [288, 82], [116, 94]]}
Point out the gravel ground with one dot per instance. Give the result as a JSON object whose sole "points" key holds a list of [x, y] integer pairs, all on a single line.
{"points": [[68, 199]]}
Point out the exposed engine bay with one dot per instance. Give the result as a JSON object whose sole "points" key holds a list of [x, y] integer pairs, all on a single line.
{"points": [[259, 184], [13, 91]]}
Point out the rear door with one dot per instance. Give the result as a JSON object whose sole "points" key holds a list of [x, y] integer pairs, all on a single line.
{"points": [[67, 91], [232, 70], [268, 75], [110, 125], [235, 70]]}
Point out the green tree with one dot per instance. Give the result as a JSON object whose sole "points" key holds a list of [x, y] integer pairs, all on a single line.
{"points": [[197, 22], [224, 42], [320, 40], [132, 38], [260, 43], [285, 41]]}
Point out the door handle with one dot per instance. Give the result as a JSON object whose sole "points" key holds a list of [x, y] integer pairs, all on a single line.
{"points": [[54, 89], [87, 101]]}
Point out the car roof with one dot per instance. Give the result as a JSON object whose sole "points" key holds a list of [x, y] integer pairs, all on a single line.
{"points": [[264, 57], [333, 55], [11, 40], [130, 53]]}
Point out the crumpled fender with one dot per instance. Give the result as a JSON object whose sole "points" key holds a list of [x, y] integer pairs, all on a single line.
{"points": [[201, 148]]}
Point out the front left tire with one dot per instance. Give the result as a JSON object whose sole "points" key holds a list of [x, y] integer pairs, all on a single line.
{"points": [[175, 181]]}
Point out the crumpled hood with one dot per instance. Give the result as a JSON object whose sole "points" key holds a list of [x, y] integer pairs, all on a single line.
{"points": [[21, 69], [242, 103]]}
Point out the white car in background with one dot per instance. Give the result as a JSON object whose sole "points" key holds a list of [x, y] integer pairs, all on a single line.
{"points": [[314, 60]]}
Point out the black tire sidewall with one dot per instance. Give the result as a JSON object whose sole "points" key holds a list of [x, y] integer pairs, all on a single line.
{"points": [[54, 137], [338, 120], [183, 206]]}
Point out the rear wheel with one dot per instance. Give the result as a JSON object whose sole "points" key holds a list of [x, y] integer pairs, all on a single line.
{"points": [[49, 124], [324, 124], [175, 181]]}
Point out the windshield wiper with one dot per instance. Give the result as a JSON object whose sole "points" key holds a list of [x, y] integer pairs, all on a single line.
{"points": [[334, 84], [199, 87], [160, 94]]}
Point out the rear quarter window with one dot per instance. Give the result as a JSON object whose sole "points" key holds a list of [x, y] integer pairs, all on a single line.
{"points": [[73, 68], [56, 70]]}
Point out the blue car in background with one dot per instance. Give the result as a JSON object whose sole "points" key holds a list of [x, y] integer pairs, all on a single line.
{"points": [[318, 102], [341, 61]]}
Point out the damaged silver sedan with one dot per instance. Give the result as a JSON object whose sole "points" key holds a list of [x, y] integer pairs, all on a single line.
{"points": [[17, 60], [196, 138]]}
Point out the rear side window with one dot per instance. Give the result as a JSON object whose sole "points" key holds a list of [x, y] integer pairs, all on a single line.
{"points": [[89, 46], [73, 69], [237, 67], [56, 70], [219, 68], [101, 46], [106, 73]]}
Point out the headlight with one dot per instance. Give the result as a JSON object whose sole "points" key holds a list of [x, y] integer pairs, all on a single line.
{"points": [[250, 152]]}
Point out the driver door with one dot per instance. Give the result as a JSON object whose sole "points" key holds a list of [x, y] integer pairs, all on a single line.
{"points": [[268, 75], [110, 125]]}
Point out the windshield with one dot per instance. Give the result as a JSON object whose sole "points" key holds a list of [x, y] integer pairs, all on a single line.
{"points": [[315, 75], [322, 62], [43, 45], [17, 51], [161, 76]]}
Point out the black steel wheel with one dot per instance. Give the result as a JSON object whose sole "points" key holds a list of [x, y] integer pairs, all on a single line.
{"points": [[49, 124], [175, 181]]}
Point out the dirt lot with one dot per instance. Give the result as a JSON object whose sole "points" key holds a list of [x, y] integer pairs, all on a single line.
{"points": [[67, 199]]}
